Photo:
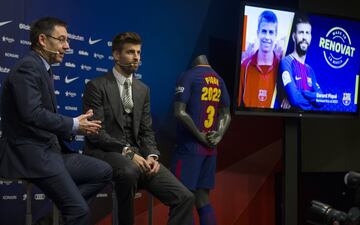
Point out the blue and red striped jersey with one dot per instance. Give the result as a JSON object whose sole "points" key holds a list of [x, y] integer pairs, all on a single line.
{"points": [[204, 92]]}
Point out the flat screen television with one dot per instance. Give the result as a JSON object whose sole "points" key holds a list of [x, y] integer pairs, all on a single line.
{"points": [[296, 64]]}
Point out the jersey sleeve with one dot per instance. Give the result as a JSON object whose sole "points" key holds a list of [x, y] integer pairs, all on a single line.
{"points": [[313, 94], [293, 94], [183, 88]]}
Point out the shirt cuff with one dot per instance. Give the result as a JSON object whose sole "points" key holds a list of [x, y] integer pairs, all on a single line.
{"points": [[123, 152], [156, 157], [75, 124]]}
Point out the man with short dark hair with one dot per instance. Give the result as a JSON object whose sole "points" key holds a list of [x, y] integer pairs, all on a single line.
{"points": [[126, 140], [298, 87], [33, 133]]}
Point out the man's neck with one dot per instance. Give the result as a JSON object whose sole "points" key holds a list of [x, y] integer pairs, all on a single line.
{"points": [[200, 60], [265, 58], [43, 55], [299, 58]]}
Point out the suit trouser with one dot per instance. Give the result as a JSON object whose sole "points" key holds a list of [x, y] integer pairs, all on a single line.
{"points": [[70, 190], [163, 185]]}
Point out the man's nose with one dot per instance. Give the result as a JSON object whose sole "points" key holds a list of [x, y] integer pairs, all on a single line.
{"points": [[268, 35], [136, 56], [66, 45]]}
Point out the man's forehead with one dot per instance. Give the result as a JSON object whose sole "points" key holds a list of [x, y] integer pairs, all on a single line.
{"points": [[131, 46], [268, 24], [61, 30], [303, 26]]}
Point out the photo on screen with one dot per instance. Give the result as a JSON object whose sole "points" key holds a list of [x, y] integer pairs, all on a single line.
{"points": [[329, 76], [264, 42]]}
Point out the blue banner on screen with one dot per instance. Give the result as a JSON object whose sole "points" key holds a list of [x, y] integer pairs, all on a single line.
{"points": [[297, 64], [334, 56]]}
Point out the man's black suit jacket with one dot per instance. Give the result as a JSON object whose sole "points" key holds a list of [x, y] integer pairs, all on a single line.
{"points": [[103, 96], [31, 128]]}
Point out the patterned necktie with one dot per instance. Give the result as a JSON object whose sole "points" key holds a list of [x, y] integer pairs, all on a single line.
{"points": [[127, 101]]}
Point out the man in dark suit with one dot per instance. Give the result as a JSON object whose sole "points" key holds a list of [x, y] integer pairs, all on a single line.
{"points": [[126, 140], [32, 144]]}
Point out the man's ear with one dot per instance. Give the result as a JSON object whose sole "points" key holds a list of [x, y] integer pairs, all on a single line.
{"points": [[42, 40], [116, 55]]}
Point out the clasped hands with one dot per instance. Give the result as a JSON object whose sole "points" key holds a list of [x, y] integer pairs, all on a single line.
{"points": [[148, 166], [211, 138]]}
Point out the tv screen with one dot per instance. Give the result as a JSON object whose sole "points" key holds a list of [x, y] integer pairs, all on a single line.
{"points": [[297, 64]]}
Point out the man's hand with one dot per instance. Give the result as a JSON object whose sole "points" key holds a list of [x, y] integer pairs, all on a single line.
{"points": [[279, 48], [86, 126], [204, 140], [154, 165], [213, 137], [141, 163]]}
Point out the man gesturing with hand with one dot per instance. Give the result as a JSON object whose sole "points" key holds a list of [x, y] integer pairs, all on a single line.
{"points": [[32, 145]]}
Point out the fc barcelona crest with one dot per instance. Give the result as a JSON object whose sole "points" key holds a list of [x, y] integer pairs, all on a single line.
{"points": [[262, 95], [346, 100]]}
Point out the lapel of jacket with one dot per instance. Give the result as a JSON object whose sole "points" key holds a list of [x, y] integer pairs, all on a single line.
{"points": [[113, 94], [52, 91], [137, 95], [46, 78]]}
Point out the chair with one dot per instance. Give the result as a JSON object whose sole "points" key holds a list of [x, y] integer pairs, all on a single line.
{"points": [[137, 195], [28, 203], [150, 208], [56, 215]]}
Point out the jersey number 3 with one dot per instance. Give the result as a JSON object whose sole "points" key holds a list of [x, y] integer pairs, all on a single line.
{"points": [[210, 119]]}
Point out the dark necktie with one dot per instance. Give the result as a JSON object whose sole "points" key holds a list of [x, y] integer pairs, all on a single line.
{"points": [[127, 101], [50, 80]]}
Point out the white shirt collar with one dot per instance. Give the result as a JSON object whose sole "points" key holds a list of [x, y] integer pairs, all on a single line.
{"points": [[46, 64], [121, 78]]}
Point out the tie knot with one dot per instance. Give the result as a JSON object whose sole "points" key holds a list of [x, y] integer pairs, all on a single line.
{"points": [[127, 83]]}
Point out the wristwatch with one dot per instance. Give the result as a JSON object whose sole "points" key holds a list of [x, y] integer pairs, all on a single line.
{"points": [[129, 154]]}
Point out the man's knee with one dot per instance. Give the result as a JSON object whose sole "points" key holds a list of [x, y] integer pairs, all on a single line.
{"points": [[188, 196], [107, 172], [128, 175], [101, 169]]}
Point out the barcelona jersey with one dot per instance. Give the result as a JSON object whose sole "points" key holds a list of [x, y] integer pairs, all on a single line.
{"points": [[299, 85], [257, 83], [204, 92]]}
